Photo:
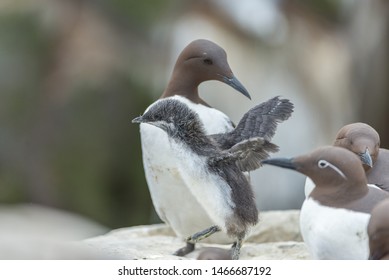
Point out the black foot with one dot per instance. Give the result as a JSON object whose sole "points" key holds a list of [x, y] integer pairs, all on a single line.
{"points": [[185, 250], [203, 234], [191, 240]]}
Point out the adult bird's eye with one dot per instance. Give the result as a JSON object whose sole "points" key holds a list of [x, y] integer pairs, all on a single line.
{"points": [[208, 61], [322, 163]]}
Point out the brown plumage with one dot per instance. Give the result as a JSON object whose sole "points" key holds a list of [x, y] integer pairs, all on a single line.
{"points": [[202, 60], [364, 141], [378, 230], [334, 217]]}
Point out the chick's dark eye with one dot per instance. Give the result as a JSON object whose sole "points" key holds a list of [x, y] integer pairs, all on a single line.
{"points": [[208, 61], [157, 117]]}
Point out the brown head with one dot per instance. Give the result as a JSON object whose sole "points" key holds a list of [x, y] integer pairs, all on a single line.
{"points": [[337, 173], [378, 231], [200, 61], [361, 139]]}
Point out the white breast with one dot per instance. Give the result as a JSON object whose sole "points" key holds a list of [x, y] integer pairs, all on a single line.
{"points": [[334, 233], [213, 194], [308, 187], [171, 195]]}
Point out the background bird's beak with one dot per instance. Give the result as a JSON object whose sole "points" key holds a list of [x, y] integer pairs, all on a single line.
{"points": [[234, 82], [137, 120], [281, 162], [366, 158]]}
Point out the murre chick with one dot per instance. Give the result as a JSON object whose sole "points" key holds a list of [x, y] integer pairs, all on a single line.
{"points": [[200, 61], [364, 141], [212, 166], [378, 230], [334, 217]]}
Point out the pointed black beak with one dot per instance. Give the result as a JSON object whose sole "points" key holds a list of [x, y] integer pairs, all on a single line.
{"points": [[137, 120], [281, 162], [366, 158], [234, 82]]}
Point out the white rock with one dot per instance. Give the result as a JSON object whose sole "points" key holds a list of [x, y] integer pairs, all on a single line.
{"points": [[276, 236], [275, 226], [30, 231]]}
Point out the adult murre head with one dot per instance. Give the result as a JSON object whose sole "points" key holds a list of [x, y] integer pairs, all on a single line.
{"points": [[361, 139], [200, 61]]}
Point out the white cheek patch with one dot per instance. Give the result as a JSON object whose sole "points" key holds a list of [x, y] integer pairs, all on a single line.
{"points": [[324, 164], [163, 124], [159, 124]]}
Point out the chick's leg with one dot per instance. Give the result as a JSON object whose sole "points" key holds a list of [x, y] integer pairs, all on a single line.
{"points": [[191, 240], [235, 250]]}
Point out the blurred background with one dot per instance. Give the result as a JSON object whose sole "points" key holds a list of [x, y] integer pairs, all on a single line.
{"points": [[74, 73]]}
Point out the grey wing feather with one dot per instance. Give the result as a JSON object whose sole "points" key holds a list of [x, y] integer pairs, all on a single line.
{"points": [[260, 121], [247, 154]]}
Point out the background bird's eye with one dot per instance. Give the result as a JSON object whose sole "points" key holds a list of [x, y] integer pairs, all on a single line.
{"points": [[322, 164], [208, 61]]}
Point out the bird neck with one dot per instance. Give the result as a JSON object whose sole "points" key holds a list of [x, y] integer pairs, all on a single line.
{"points": [[336, 196], [192, 135], [184, 85]]}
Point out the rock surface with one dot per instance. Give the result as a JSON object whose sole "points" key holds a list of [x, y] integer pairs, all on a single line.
{"points": [[30, 231], [277, 236]]}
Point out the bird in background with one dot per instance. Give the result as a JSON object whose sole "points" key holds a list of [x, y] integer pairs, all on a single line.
{"points": [[213, 166], [334, 217], [364, 141], [378, 230], [200, 61]]}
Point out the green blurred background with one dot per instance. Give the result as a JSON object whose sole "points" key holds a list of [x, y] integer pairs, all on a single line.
{"points": [[74, 73]]}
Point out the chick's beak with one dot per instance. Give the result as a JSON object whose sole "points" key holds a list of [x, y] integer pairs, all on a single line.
{"points": [[137, 120]]}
